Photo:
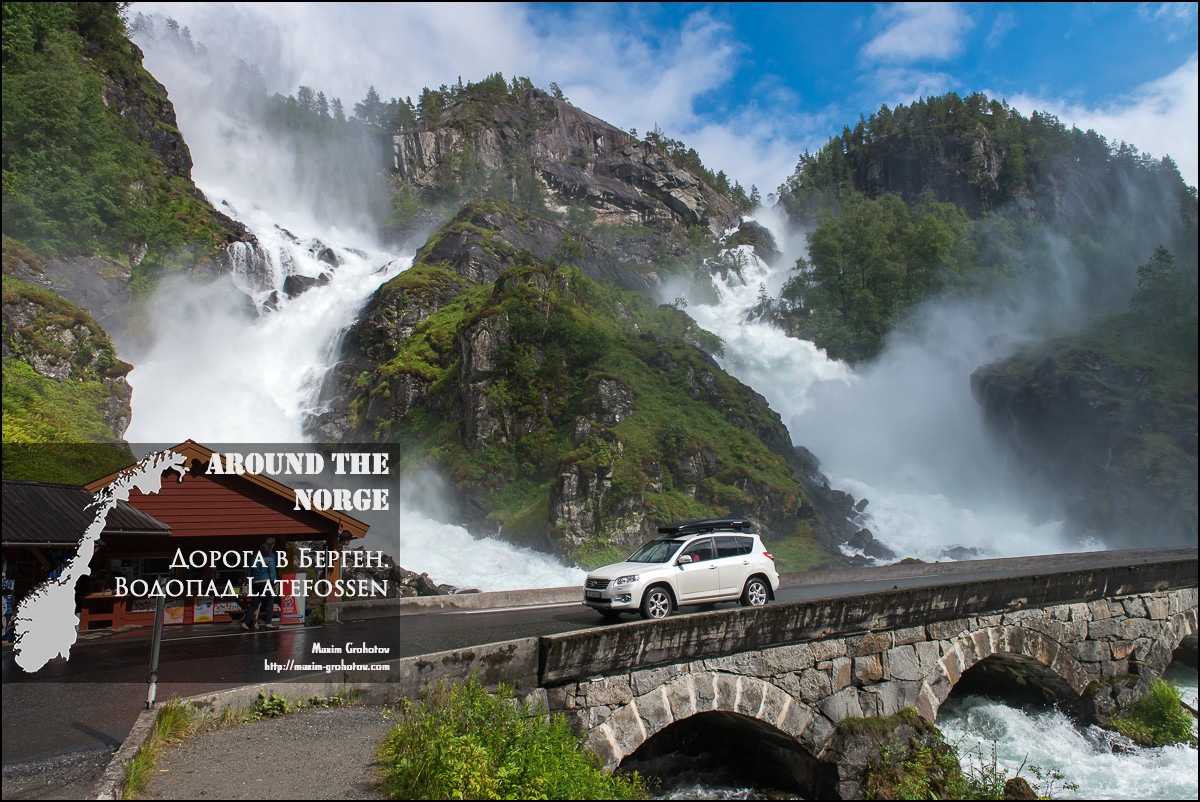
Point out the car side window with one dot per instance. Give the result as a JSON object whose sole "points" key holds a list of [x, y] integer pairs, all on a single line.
{"points": [[700, 550], [745, 545], [730, 546]]}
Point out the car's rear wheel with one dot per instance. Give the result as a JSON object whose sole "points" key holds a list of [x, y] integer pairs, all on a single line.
{"points": [[657, 603], [756, 593]]}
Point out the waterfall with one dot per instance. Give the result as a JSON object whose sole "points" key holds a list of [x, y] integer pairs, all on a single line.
{"points": [[902, 432], [242, 359]]}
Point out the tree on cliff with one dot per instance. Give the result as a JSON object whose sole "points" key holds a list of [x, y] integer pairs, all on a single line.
{"points": [[1160, 287]]}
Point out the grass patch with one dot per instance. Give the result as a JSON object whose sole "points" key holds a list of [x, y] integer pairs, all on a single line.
{"points": [[176, 721], [461, 742], [1158, 718], [271, 705]]}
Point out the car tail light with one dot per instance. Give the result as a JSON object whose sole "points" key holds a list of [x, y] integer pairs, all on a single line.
{"points": [[769, 556]]}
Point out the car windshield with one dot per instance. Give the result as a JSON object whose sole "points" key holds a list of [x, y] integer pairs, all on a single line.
{"points": [[656, 551]]}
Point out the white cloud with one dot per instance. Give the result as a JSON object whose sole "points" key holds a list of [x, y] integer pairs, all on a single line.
{"points": [[1003, 23], [634, 74], [1158, 118], [919, 31], [1178, 18], [632, 82], [895, 85]]}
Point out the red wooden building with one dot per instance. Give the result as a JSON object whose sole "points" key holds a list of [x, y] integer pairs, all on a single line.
{"points": [[206, 512]]}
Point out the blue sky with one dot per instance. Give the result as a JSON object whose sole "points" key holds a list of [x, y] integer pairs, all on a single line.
{"points": [[749, 85]]}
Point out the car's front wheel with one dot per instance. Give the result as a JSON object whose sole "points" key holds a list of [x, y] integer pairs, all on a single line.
{"points": [[657, 603], [756, 593]]}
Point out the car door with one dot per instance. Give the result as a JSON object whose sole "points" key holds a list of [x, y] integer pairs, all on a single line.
{"points": [[733, 563], [699, 579]]}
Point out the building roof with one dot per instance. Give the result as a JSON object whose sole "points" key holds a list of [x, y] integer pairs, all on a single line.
{"points": [[352, 527], [48, 514]]}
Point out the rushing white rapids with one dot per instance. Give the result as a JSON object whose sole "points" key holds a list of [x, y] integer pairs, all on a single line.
{"points": [[1103, 765], [218, 374]]}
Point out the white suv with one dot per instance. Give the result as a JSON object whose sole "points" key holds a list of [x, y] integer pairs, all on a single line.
{"points": [[695, 562]]}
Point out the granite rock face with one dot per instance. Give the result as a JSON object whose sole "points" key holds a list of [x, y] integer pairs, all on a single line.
{"points": [[1118, 450], [577, 158]]}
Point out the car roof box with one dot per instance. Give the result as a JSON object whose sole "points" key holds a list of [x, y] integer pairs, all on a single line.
{"points": [[707, 525]]}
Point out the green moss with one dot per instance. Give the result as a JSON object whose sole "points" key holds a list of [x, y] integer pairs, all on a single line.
{"points": [[884, 725]]}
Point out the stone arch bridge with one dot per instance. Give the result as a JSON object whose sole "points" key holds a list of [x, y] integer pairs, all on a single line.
{"points": [[1088, 630], [787, 674]]}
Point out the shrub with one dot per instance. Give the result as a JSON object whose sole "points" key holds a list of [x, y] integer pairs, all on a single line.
{"points": [[1158, 718], [461, 742]]}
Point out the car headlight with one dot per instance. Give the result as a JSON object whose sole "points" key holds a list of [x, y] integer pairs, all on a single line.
{"points": [[626, 580]]}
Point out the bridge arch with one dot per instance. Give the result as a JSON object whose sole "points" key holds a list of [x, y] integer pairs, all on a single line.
{"points": [[1034, 652], [747, 697], [731, 749]]}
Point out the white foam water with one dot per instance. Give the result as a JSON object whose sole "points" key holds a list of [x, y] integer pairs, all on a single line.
{"points": [[1102, 764]]}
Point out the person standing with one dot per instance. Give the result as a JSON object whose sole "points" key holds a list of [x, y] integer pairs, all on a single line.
{"points": [[263, 580]]}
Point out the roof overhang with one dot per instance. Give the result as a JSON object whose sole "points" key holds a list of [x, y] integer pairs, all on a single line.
{"points": [[195, 451]]}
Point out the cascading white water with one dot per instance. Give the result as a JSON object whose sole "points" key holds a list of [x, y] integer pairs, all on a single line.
{"points": [[903, 432], [906, 434], [1101, 763], [235, 360], [216, 373]]}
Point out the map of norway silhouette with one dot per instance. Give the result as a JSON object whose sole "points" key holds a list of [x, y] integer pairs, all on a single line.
{"points": [[45, 624]]}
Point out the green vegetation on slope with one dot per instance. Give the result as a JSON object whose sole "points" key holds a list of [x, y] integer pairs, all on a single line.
{"points": [[461, 742], [965, 195], [669, 434], [867, 268], [58, 430], [79, 178]]}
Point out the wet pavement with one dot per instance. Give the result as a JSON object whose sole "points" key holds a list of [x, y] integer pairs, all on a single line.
{"points": [[90, 701]]}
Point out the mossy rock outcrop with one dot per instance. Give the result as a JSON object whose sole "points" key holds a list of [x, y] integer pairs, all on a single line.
{"points": [[571, 415]]}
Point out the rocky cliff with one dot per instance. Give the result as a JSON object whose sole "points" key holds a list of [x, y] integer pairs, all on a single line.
{"points": [[571, 415], [1112, 440], [97, 175], [649, 201], [63, 384], [576, 157]]}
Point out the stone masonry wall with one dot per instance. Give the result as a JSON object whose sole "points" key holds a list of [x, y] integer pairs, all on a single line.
{"points": [[1097, 654]]}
